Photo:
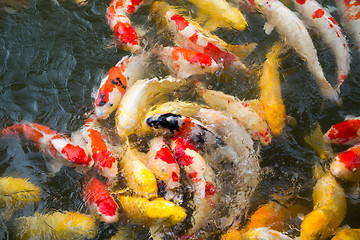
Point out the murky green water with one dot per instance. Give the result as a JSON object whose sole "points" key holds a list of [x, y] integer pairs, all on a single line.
{"points": [[53, 56]]}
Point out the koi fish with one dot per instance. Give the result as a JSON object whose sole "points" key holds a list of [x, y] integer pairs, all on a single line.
{"points": [[52, 143], [295, 35], [270, 91], [138, 177], [187, 62], [139, 98], [96, 146], [346, 164], [131, 6], [162, 163], [57, 225], [347, 234], [100, 200], [239, 110], [202, 179], [125, 34], [346, 132], [349, 13], [329, 209], [318, 17], [188, 35], [221, 14], [155, 212], [264, 233], [17, 192], [185, 127]]}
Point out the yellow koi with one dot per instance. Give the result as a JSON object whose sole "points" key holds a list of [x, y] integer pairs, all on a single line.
{"points": [[138, 177], [270, 91], [57, 225], [347, 234], [329, 210]]}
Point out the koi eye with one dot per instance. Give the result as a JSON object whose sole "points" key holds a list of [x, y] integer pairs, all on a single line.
{"points": [[110, 104]]}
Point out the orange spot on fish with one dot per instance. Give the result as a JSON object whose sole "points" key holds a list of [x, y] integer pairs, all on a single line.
{"points": [[75, 154], [350, 159], [165, 154], [175, 176], [318, 13], [301, 2], [210, 189], [181, 22], [193, 38]]}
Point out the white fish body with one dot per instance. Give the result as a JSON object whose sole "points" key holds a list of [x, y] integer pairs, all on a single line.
{"points": [[295, 35], [317, 17]]}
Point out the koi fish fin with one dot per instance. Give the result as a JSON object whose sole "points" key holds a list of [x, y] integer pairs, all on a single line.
{"points": [[212, 25], [156, 232], [243, 50], [290, 121], [268, 27], [54, 165]]}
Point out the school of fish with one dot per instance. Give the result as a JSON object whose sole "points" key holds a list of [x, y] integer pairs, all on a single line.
{"points": [[178, 141]]}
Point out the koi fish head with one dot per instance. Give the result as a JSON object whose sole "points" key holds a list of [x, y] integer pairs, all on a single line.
{"points": [[315, 224], [167, 120], [346, 165], [343, 132], [262, 5]]}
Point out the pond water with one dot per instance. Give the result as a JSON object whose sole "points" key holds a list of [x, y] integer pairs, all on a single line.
{"points": [[54, 55]]}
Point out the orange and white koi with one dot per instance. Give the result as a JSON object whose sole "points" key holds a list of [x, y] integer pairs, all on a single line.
{"points": [[346, 165], [162, 163], [187, 62], [239, 110], [119, 22], [320, 19], [202, 178], [188, 35], [349, 12], [52, 143], [329, 210], [56, 225], [346, 132], [296, 36], [95, 144], [137, 175], [185, 127], [100, 200]]}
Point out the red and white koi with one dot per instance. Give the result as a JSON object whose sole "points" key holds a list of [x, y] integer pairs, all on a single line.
{"points": [[296, 36], [202, 179], [100, 200], [187, 62], [349, 11], [320, 19], [185, 127], [346, 165], [51, 142], [189, 36], [113, 86], [125, 34], [131, 6], [162, 163], [346, 132], [96, 146]]}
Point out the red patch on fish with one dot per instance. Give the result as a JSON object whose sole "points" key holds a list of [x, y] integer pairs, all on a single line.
{"points": [[350, 158], [185, 129], [181, 145], [301, 2], [345, 131], [210, 189], [193, 38], [175, 176], [165, 154], [181, 22], [132, 8], [352, 11], [75, 154], [318, 13], [126, 33], [192, 56]]}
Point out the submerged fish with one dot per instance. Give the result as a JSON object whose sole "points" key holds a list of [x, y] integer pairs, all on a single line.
{"points": [[54, 144], [329, 210], [270, 91], [346, 165], [57, 225], [347, 234], [17, 192], [186, 62], [320, 19], [100, 200], [346, 132], [296, 36]]}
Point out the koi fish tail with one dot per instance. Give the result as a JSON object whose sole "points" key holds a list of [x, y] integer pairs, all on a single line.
{"points": [[243, 50], [12, 131], [276, 50]]}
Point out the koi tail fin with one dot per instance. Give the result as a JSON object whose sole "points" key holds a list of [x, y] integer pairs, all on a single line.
{"points": [[243, 50]]}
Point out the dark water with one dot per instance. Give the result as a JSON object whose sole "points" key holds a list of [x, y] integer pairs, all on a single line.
{"points": [[52, 57]]}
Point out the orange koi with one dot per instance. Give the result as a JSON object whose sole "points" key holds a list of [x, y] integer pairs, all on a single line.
{"points": [[100, 200]]}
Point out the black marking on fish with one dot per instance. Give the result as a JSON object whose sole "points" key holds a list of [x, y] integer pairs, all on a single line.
{"points": [[102, 102], [169, 121], [117, 81]]}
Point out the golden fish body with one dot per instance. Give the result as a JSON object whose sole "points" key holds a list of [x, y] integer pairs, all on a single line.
{"points": [[153, 212], [138, 177], [329, 210], [347, 234], [57, 225], [17, 192]]}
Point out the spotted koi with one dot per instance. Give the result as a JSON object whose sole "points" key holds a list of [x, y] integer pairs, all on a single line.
{"points": [[124, 33], [296, 36], [51, 142], [189, 36], [100, 200], [162, 163], [346, 132], [320, 19], [201, 177], [187, 62]]}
